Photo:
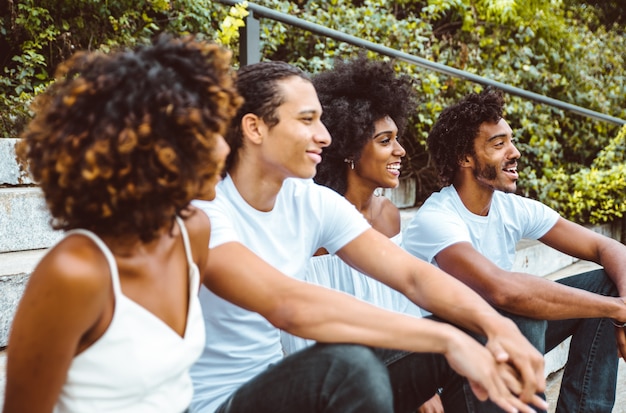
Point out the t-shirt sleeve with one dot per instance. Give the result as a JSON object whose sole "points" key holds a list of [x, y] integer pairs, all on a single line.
{"points": [[222, 229], [541, 218], [341, 221], [431, 231]]}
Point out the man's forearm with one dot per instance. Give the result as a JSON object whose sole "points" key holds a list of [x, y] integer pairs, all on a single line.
{"points": [[535, 297]]}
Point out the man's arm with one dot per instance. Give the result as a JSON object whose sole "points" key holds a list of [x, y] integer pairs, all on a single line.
{"points": [[239, 276], [580, 242], [372, 253], [526, 294]]}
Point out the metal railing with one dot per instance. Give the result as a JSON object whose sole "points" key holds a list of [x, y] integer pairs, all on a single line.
{"points": [[250, 52]]}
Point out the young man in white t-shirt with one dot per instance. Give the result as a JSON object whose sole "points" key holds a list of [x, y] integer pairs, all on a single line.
{"points": [[471, 227], [267, 220]]}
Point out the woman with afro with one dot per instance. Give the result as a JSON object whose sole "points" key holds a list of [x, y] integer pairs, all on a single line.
{"points": [[120, 145], [366, 106]]}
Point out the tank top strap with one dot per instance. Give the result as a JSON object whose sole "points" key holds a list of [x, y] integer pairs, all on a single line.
{"points": [[183, 230], [115, 277]]}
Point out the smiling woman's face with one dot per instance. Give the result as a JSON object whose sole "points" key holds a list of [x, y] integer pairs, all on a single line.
{"points": [[381, 156]]}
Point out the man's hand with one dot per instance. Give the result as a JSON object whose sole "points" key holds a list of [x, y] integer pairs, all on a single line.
{"points": [[509, 346], [620, 335], [490, 375], [433, 405]]}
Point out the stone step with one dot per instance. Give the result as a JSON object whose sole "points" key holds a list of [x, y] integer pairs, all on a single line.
{"points": [[10, 171], [15, 267], [24, 220]]}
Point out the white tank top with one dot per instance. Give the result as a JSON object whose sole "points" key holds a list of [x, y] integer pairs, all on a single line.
{"points": [[140, 364]]}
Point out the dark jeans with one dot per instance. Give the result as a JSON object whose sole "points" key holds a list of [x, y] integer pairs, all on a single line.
{"points": [[347, 378], [338, 378], [590, 375], [416, 377], [350, 378]]}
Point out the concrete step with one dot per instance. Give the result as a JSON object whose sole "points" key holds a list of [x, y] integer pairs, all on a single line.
{"points": [[24, 220], [23, 214], [3, 363], [10, 171], [15, 267]]}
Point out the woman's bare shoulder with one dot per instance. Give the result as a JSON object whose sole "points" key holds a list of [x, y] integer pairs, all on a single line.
{"points": [[74, 267]]}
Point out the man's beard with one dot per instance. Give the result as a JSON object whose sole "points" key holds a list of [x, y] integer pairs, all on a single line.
{"points": [[487, 174]]}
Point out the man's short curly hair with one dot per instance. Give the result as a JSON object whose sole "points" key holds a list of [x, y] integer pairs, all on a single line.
{"points": [[452, 137], [258, 85], [354, 95], [122, 142]]}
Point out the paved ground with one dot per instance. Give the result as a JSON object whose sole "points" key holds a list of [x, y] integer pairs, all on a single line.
{"points": [[552, 391]]}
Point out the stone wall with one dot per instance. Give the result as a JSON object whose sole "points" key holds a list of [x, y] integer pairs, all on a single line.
{"points": [[24, 232]]}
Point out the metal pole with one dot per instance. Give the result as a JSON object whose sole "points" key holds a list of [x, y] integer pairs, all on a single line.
{"points": [[250, 41]]}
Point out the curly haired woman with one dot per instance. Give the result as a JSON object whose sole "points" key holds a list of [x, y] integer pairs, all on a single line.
{"points": [[366, 106], [120, 145]]}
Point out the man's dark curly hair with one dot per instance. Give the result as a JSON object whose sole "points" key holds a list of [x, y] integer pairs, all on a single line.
{"points": [[258, 85], [354, 95], [452, 137], [122, 142]]}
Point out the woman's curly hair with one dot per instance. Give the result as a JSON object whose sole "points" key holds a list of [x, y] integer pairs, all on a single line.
{"points": [[122, 142], [452, 136], [354, 95]]}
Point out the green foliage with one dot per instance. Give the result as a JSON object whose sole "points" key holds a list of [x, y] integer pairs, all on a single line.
{"points": [[39, 34], [595, 194], [571, 50]]}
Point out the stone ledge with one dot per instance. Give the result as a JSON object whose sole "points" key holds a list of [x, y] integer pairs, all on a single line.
{"points": [[10, 172], [24, 220], [12, 263], [15, 268], [11, 290], [534, 257]]}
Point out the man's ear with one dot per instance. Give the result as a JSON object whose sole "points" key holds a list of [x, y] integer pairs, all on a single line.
{"points": [[466, 161], [253, 128]]}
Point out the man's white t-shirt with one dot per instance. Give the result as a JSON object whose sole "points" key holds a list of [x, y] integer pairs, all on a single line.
{"points": [[241, 344], [443, 220]]}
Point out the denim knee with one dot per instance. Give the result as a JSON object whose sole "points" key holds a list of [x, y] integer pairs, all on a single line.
{"points": [[358, 360], [365, 376]]}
